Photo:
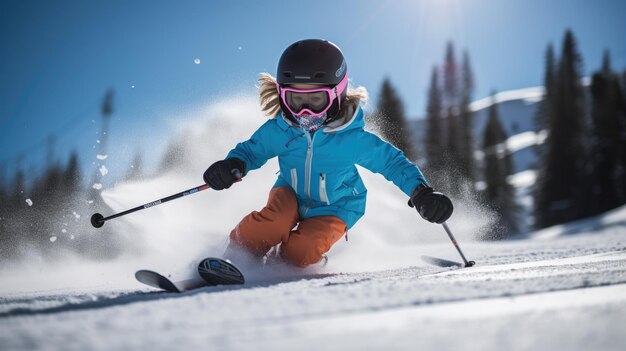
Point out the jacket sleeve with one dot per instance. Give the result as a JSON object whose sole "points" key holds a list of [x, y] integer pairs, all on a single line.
{"points": [[381, 157], [258, 149]]}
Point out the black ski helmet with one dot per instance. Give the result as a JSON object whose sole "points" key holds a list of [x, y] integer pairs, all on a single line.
{"points": [[311, 61]]}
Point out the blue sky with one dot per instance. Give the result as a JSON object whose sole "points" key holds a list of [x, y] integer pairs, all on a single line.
{"points": [[59, 57]]}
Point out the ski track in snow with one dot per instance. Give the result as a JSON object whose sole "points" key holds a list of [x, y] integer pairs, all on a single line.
{"points": [[568, 293]]}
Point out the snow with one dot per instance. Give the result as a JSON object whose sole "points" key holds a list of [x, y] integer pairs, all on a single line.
{"points": [[102, 157], [563, 294], [529, 94], [97, 186], [562, 288], [29, 202], [103, 170], [515, 143], [524, 140], [523, 179]]}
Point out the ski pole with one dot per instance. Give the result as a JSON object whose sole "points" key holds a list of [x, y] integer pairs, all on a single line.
{"points": [[467, 263], [97, 220]]}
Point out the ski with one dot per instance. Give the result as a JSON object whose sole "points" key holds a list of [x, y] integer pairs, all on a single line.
{"points": [[211, 271]]}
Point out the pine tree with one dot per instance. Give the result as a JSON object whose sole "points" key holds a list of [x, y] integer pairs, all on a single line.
{"points": [[135, 171], [71, 175], [4, 205], [451, 108], [545, 107], [562, 188], [452, 156], [543, 118], [18, 189], [499, 194], [433, 140], [606, 141], [450, 80], [466, 140], [4, 197], [392, 121], [12, 238], [174, 155], [623, 140], [106, 110]]}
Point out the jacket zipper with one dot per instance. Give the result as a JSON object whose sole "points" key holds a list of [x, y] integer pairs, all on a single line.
{"points": [[308, 165], [307, 168]]}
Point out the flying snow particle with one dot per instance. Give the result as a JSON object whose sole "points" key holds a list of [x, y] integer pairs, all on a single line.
{"points": [[103, 170], [240, 48], [97, 186], [76, 215], [132, 87], [72, 237], [29, 202], [53, 238], [102, 157], [64, 230], [98, 141], [196, 61]]}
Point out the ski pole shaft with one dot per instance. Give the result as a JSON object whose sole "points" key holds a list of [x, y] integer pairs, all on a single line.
{"points": [[97, 220], [458, 248]]}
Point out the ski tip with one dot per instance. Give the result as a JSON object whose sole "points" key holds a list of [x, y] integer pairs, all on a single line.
{"points": [[440, 262], [155, 280]]}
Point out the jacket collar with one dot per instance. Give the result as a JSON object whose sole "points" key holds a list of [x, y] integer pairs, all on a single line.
{"points": [[349, 121]]}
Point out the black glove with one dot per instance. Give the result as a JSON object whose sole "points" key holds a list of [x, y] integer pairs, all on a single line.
{"points": [[222, 174], [432, 206]]}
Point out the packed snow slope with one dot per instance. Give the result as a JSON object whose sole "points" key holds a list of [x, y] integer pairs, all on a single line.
{"points": [[563, 288], [560, 292]]}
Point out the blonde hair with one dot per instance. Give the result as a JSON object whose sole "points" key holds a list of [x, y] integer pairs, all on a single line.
{"points": [[270, 101]]}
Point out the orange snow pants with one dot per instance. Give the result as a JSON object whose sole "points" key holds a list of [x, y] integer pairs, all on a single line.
{"points": [[261, 230]]}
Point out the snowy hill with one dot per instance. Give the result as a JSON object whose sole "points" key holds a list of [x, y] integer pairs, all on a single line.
{"points": [[558, 293], [563, 288]]}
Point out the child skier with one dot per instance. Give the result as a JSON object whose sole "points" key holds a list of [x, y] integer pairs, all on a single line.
{"points": [[316, 130]]}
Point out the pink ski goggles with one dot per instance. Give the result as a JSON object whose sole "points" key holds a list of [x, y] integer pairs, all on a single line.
{"points": [[311, 101]]}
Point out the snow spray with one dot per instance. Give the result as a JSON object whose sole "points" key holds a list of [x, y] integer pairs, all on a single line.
{"points": [[174, 236]]}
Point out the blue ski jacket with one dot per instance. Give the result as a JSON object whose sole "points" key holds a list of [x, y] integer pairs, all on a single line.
{"points": [[320, 168]]}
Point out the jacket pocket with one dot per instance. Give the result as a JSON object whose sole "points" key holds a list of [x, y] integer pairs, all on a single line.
{"points": [[350, 188], [294, 180], [323, 194]]}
